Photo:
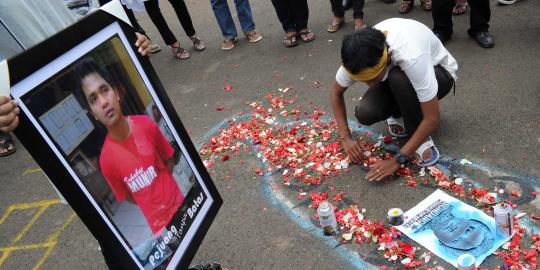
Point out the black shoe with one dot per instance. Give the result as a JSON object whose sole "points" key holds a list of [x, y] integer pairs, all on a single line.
{"points": [[389, 1], [484, 39], [442, 37]]}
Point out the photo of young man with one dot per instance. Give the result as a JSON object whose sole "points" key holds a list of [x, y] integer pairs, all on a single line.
{"points": [[136, 159]]}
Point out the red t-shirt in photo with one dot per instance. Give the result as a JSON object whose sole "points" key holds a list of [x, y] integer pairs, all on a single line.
{"points": [[136, 166]]}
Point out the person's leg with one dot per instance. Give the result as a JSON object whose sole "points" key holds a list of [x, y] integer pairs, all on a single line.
{"points": [[480, 16], [283, 10], [337, 8], [358, 14], [376, 105], [133, 20], [243, 9], [300, 13], [301, 17], [442, 19], [406, 98], [182, 13], [284, 15], [339, 16], [152, 8], [224, 18]]}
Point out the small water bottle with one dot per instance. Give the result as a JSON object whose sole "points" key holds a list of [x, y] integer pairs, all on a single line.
{"points": [[327, 218]]}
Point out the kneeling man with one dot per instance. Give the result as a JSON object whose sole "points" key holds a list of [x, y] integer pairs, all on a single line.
{"points": [[408, 71]]}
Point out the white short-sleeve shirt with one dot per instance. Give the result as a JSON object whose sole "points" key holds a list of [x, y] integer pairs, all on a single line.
{"points": [[416, 50]]}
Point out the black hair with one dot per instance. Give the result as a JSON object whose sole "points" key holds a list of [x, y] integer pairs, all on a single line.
{"points": [[362, 48], [83, 68]]}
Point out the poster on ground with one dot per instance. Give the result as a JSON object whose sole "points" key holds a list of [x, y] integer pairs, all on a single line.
{"points": [[450, 228], [97, 120]]}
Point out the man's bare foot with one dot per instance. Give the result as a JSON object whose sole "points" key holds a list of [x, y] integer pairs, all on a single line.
{"points": [[359, 24]]}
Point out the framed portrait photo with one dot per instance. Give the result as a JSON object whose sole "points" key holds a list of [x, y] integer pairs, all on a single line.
{"points": [[97, 120]]}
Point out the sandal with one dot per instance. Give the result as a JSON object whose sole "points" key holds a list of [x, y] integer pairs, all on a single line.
{"points": [[406, 6], [306, 36], [426, 4], [435, 155], [180, 52], [198, 45], [332, 28], [228, 44], [290, 41], [396, 122], [460, 8], [7, 147]]}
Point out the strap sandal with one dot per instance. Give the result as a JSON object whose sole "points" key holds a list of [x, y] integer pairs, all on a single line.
{"points": [[435, 155], [332, 28], [460, 8], [180, 52], [396, 122], [290, 41], [426, 4], [198, 45], [7, 147], [253, 36], [228, 44], [306, 36], [406, 6]]}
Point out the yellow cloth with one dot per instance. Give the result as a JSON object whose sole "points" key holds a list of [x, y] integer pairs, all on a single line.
{"points": [[371, 73]]}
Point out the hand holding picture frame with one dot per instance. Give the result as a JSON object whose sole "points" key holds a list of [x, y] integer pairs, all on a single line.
{"points": [[97, 120]]}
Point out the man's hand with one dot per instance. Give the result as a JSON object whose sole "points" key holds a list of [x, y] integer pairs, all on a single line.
{"points": [[353, 149], [9, 114], [383, 169], [143, 44]]}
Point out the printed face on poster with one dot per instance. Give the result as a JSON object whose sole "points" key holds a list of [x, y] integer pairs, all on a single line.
{"points": [[103, 119]]}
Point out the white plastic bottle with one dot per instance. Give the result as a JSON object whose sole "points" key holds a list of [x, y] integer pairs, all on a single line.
{"points": [[327, 218]]}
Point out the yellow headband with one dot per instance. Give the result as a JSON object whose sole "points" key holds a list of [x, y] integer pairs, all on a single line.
{"points": [[370, 73]]}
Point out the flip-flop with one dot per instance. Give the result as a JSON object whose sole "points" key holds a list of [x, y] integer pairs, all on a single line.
{"points": [[6, 145], [290, 41], [426, 4], [397, 122], [460, 9], [332, 28], [305, 34], [435, 155], [406, 6]]}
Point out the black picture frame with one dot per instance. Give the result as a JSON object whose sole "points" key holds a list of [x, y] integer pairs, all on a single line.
{"points": [[31, 71]]}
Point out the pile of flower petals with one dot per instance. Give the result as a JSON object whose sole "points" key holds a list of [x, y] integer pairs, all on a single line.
{"points": [[303, 148], [306, 149]]}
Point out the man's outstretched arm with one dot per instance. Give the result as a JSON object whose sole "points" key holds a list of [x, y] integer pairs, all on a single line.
{"points": [[351, 147]]}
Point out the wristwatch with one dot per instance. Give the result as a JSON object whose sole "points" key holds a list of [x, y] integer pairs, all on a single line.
{"points": [[403, 159]]}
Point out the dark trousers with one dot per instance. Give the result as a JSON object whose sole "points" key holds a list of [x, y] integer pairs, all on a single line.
{"points": [[339, 11], [293, 14], [133, 20], [396, 97], [152, 7], [442, 16]]}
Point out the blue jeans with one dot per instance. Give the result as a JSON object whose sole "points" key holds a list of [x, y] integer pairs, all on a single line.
{"points": [[225, 20]]}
